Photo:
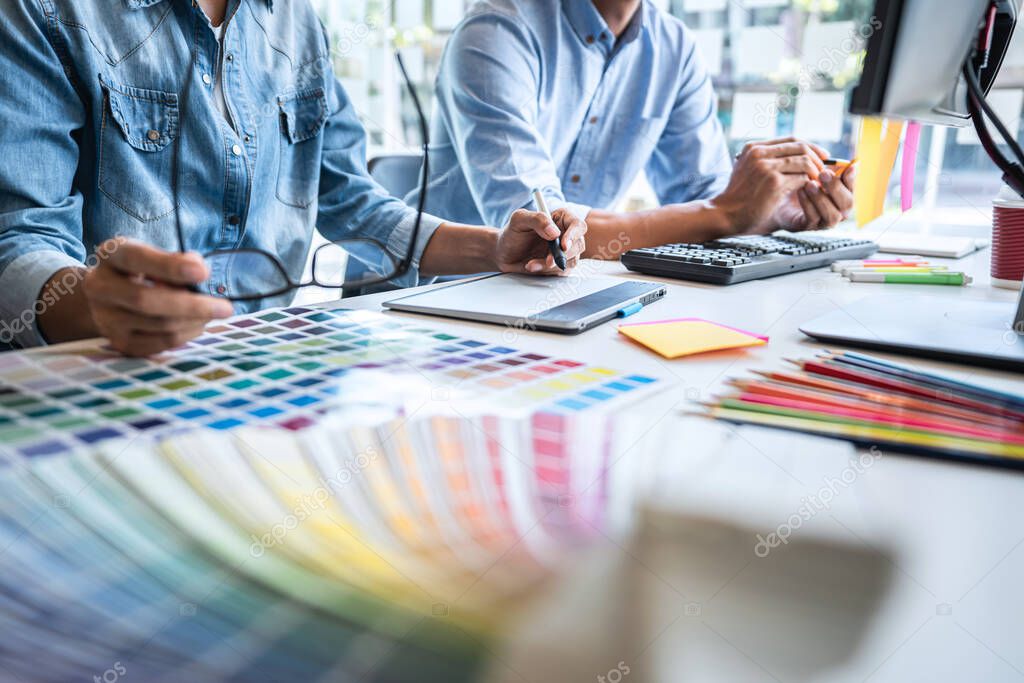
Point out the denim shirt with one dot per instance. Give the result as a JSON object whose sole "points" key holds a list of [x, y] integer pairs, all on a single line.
{"points": [[540, 94], [90, 113]]}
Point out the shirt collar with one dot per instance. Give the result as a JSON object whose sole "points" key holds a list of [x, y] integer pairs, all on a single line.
{"points": [[592, 29], [140, 4]]}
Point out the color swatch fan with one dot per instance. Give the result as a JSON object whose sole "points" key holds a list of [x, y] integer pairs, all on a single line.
{"points": [[389, 551], [283, 368]]}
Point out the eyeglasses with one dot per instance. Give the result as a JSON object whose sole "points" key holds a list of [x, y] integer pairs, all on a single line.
{"points": [[265, 274]]}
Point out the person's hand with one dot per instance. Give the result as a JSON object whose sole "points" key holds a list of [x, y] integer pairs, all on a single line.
{"points": [[523, 244], [765, 175], [820, 205], [139, 299]]}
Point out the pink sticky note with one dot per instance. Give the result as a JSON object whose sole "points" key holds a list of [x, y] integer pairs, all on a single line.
{"points": [[910, 145]]}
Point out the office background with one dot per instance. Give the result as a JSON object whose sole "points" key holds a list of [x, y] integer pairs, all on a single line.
{"points": [[779, 66]]}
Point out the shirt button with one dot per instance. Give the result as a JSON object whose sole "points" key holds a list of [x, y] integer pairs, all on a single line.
{"points": [[221, 289], [575, 179], [206, 79], [153, 135], [248, 139], [593, 119], [230, 57], [236, 150], [604, 36], [590, 40], [234, 220]]}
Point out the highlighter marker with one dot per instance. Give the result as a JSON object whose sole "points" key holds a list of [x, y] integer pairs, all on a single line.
{"points": [[923, 269], [954, 279]]}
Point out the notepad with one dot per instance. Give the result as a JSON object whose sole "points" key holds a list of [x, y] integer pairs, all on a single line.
{"points": [[689, 336]]}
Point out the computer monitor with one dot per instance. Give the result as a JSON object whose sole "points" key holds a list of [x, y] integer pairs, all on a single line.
{"points": [[915, 56], [934, 62]]}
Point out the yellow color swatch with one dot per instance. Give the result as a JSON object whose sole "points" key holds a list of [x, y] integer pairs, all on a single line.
{"points": [[689, 336]]}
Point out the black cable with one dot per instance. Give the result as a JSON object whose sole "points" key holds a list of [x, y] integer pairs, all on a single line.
{"points": [[176, 160], [987, 142], [1013, 172], [974, 85], [425, 180]]}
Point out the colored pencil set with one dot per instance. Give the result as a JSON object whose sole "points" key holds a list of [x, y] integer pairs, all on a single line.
{"points": [[912, 270], [874, 402]]}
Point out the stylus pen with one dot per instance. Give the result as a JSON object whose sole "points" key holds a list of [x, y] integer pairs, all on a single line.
{"points": [[955, 279], [554, 245]]}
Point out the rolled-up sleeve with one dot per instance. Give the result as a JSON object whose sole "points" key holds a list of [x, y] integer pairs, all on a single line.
{"points": [[40, 207], [488, 93], [691, 160], [354, 206]]}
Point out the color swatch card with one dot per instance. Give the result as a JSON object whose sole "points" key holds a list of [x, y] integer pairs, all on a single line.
{"points": [[689, 336], [284, 368], [395, 550]]}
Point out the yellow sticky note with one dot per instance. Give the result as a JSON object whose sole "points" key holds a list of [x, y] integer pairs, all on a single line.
{"points": [[689, 336], [877, 147]]}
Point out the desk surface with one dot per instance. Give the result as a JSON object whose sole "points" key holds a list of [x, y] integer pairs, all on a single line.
{"points": [[956, 609], [956, 612], [775, 307]]}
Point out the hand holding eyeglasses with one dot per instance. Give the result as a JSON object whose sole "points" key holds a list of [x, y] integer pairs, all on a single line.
{"points": [[140, 301]]}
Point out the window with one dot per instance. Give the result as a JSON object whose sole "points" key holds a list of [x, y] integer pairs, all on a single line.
{"points": [[780, 67]]}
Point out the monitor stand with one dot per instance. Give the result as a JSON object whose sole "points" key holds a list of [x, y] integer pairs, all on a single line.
{"points": [[1018, 319], [981, 333]]}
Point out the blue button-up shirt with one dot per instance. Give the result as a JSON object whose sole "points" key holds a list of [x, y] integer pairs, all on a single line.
{"points": [[90, 114], [540, 94]]}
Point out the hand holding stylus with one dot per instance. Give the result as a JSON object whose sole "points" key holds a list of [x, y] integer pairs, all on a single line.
{"points": [[556, 249], [525, 245]]}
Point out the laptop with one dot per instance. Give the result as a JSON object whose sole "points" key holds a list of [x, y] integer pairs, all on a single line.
{"points": [[957, 330], [566, 305]]}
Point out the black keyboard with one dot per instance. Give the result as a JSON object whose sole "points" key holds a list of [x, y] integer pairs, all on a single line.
{"points": [[738, 259]]}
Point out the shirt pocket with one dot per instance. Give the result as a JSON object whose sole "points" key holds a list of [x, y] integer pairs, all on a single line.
{"points": [[136, 150], [627, 161], [303, 116]]}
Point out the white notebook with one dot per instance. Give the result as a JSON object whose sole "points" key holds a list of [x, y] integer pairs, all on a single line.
{"points": [[939, 246]]}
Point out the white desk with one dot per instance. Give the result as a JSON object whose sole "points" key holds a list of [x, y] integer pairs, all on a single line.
{"points": [[956, 610]]}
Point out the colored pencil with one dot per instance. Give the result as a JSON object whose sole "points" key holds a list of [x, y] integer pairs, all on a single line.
{"points": [[871, 401], [890, 406], [870, 433], [859, 413], [1002, 397], [911, 388]]}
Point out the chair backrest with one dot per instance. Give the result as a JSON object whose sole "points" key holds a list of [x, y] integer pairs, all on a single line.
{"points": [[398, 173]]}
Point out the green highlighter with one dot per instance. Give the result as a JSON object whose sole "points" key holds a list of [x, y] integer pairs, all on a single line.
{"points": [[935, 278]]}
